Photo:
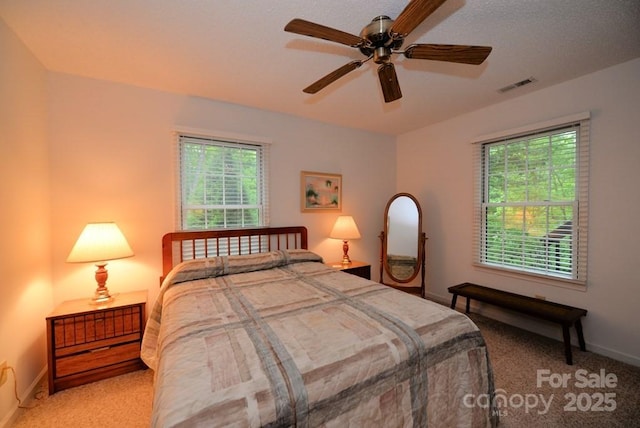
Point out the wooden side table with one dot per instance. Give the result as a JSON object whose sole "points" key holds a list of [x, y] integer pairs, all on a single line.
{"points": [[360, 269], [88, 342]]}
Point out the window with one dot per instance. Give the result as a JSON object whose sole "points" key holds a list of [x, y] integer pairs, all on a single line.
{"points": [[531, 201], [223, 183]]}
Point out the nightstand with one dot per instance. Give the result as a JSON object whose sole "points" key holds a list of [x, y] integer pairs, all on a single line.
{"points": [[360, 269], [88, 342]]}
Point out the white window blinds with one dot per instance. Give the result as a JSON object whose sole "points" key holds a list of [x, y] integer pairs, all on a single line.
{"points": [[531, 200], [222, 183]]}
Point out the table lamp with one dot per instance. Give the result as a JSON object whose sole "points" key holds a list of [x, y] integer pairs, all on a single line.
{"points": [[345, 229], [99, 243]]}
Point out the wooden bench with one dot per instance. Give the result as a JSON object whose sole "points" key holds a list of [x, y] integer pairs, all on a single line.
{"points": [[564, 315]]}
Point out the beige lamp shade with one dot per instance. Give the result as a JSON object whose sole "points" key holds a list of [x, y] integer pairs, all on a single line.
{"points": [[345, 228], [100, 242]]}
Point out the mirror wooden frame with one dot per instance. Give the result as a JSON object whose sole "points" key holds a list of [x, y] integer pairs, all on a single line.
{"points": [[419, 267]]}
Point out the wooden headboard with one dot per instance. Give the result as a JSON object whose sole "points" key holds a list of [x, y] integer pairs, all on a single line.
{"points": [[189, 245]]}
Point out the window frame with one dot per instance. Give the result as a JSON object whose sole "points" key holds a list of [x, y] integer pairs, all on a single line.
{"points": [[578, 277], [224, 140]]}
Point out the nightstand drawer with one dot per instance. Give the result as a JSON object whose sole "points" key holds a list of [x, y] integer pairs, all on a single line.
{"points": [[92, 327], [100, 344], [96, 358]]}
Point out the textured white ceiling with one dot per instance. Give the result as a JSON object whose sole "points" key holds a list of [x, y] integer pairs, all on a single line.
{"points": [[237, 51]]}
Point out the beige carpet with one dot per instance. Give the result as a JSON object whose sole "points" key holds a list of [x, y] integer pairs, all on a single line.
{"points": [[120, 402], [125, 401], [517, 356]]}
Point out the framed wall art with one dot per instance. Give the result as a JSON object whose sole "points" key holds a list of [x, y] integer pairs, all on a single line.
{"points": [[320, 192]]}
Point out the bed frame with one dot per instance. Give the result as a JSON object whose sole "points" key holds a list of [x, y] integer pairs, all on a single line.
{"points": [[189, 245]]}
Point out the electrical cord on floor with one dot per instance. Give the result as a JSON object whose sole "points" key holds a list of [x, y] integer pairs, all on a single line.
{"points": [[15, 389]]}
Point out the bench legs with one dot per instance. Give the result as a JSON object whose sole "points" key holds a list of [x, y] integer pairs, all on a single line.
{"points": [[566, 334], [583, 346], [454, 300], [567, 340]]}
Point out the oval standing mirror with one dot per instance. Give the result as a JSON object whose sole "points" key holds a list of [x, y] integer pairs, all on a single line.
{"points": [[402, 255]]}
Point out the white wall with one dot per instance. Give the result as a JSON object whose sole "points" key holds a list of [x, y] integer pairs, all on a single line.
{"points": [[435, 164], [25, 263], [112, 159]]}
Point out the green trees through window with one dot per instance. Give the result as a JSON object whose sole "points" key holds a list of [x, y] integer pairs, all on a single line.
{"points": [[529, 202], [222, 184]]}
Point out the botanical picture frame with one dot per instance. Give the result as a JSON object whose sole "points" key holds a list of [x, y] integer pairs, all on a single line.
{"points": [[320, 192]]}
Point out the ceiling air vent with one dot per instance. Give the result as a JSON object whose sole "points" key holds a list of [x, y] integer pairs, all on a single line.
{"points": [[517, 85]]}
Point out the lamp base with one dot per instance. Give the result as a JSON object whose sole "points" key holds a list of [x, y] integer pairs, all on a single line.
{"points": [[345, 256], [101, 295]]}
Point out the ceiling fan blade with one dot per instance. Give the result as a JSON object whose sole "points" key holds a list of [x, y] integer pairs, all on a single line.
{"points": [[389, 82], [412, 15], [451, 53], [311, 29], [332, 77]]}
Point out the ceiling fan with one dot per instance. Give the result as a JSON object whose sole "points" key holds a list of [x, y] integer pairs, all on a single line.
{"points": [[384, 37]]}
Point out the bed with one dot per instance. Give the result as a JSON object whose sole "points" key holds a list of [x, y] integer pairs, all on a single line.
{"points": [[250, 328]]}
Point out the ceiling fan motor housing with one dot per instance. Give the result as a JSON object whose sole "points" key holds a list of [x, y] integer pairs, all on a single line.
{"points": [[380, 40]]}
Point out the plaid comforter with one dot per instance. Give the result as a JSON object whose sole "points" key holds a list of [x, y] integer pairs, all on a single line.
{"points": [[279, 339]]}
